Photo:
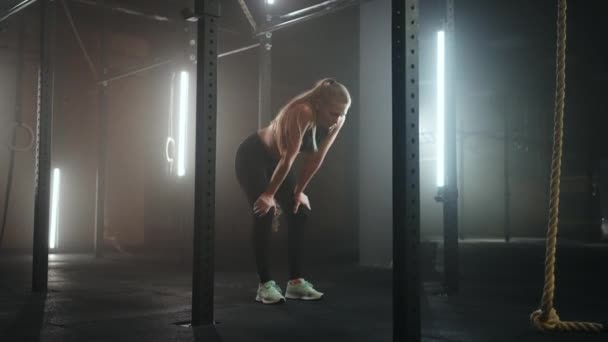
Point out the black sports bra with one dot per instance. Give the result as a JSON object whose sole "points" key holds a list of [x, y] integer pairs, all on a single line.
{"points": [[307, 145]]}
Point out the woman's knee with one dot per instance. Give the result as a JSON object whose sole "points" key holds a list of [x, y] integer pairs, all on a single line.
{"points": [[265, 220], [302, 214]]}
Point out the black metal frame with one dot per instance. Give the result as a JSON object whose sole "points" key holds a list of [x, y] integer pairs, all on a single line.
{"points": [[43, 148], [265, 73], [102, 134], [406, 178], [507, 175], [16, 9], [208, 12]]}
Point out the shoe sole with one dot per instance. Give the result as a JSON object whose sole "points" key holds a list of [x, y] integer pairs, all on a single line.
{"points": [[308, 298], [268, 302]]}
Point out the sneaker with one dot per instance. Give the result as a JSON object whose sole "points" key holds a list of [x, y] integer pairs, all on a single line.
{"points": [[302, 289], [269, 293]]}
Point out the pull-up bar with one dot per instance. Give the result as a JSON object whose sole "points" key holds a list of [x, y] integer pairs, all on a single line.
{"points": [[323, 5], [232, 52]]}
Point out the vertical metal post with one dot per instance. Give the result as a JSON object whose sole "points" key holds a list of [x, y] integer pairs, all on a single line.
{"points": [[461, 167], [265, 73], [406, 178], [102, 133], [450, 203], [208, 12], [507, 185], [43, 151]]}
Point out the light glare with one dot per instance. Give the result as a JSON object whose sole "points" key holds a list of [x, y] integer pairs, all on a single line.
{"points": [[183, 120], [55, 187], [440, 130]]}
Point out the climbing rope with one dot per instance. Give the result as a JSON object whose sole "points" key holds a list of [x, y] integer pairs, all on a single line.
{"points": [[546, 318]]}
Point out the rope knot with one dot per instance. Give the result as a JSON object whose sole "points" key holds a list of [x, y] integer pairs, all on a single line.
{"points": [[545, 322]]}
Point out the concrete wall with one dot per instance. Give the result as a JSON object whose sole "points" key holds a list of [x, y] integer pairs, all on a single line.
{"points": [[20, 208]]}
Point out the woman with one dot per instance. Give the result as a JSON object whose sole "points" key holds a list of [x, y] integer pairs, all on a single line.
{"points": [[308, 123]]}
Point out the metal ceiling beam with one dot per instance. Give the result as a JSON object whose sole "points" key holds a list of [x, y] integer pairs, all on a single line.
{"points": [[323, 5], [184, 14], [16, 9], [115, 7], [303, 15]]}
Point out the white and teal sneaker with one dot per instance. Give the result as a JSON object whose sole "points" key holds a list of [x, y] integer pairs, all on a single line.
{"points": [[269, 293], [302, 289]]}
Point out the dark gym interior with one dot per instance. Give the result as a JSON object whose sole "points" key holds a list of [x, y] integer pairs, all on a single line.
{"points": [[433, 215]]}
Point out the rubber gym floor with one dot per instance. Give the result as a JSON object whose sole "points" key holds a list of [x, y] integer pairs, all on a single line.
{"points": [[144, 298]]}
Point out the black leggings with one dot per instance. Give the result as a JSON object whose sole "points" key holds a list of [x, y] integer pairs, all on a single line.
{"points": [[254, 168]]}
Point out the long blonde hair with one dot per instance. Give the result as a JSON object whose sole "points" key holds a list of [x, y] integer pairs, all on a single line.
{"points": [[323, 92]]}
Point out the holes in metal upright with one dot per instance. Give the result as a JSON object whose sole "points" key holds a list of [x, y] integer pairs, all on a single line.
{"points": [[43, 148], [406, 207], [206, 102]]}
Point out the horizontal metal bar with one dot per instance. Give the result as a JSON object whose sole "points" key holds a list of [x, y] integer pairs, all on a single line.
{"points": [[17, 8], [85, 53], [125, 10], [155, 17], [308, 9], [232, 52], [332, 6], [247, 13], [133, 72]]}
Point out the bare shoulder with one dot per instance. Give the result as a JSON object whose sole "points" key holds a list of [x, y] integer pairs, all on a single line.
{"points": [[303, 112]]}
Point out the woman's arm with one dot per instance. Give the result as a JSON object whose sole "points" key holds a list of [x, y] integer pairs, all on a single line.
{"points": [[296, 127], [313, 161]]}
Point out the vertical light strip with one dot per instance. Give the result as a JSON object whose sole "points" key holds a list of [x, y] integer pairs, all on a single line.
{"points": [[170, 141], [440, 130], [184, 82], [54, 219]]}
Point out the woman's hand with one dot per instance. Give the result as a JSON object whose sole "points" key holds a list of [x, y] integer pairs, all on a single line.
{"points": [[263, 204], [300, 199]]}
